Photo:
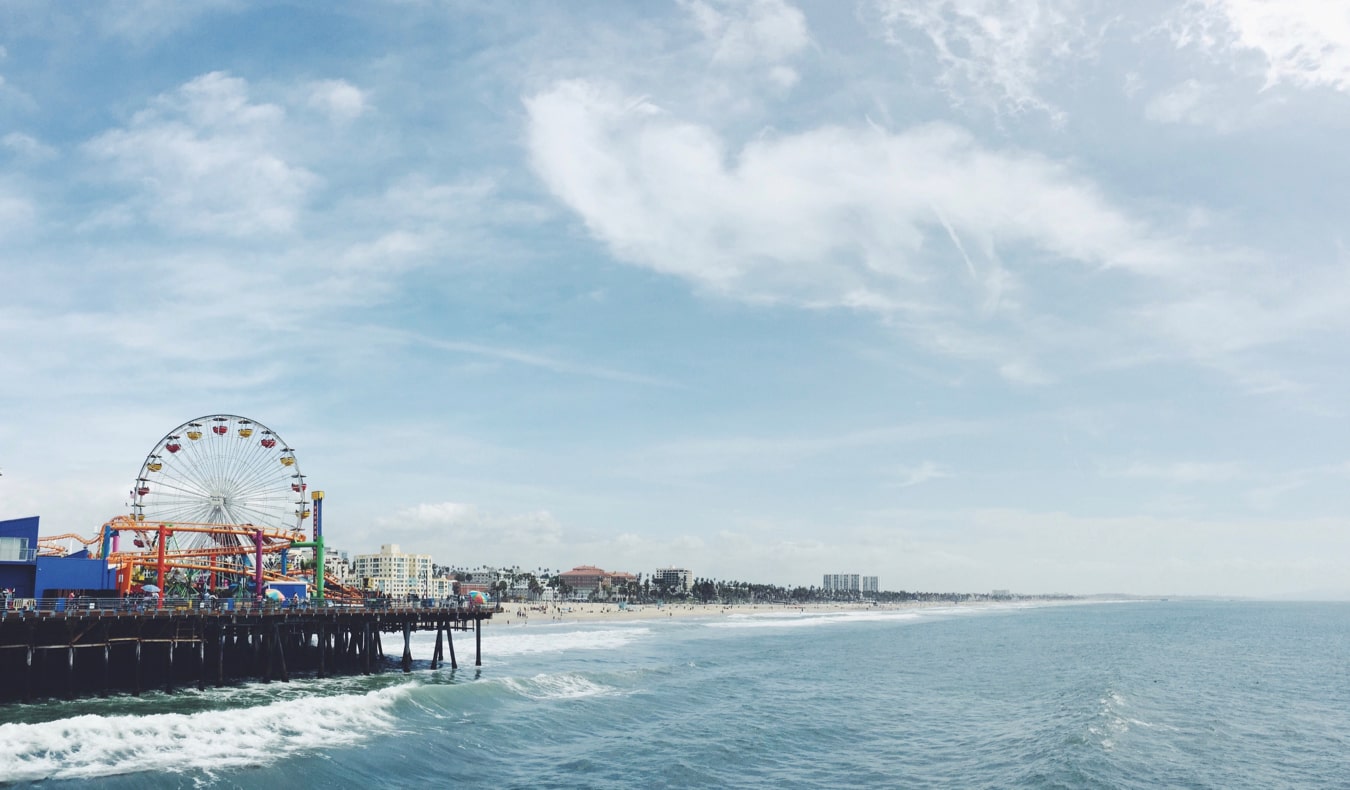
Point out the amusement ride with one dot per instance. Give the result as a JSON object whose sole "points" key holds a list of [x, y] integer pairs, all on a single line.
{"points": [[215, 511]]}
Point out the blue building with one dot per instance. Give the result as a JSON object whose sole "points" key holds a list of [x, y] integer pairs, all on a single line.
{"points": [[18, 556], [31, 576]]}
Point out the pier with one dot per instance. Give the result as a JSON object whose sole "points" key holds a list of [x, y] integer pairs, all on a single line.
{"points": [[100, 647]]}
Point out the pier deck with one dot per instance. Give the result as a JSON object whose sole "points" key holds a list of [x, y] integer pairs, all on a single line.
{"points": [[101, 650]]}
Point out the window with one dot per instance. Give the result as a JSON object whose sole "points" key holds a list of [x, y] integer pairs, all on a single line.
{"points": [[15, 550]]}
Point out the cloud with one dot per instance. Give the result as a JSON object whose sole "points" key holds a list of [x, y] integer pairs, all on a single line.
{"points": [[922, 473], [832, 217], [341, 100], [143, 22], [713, 458], [447, 530], [1304, 43], [1181, 104], [992, 52], [750, 32], [17, 213], [27, 147], [1183, 471], [205, 158]]}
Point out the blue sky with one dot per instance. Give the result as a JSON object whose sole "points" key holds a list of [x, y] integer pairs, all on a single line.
{"points": [[1050, 295]]}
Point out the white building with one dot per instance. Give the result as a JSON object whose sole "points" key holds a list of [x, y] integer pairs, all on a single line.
{"points": [[842, 582], [675, 579], [395, 573], [870, 584], [337, 565]]}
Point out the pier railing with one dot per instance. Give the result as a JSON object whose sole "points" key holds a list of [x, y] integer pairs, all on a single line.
{"points": [[77, 646], [84, 606]]}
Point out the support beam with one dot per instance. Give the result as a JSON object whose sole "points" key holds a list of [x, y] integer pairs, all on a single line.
{"points": [[436, 654], [70, 672], [107, 660], [220, 655], [407, 646], [200, 629], [280, 646], [323, 648], [450, 640], [137, 688]]}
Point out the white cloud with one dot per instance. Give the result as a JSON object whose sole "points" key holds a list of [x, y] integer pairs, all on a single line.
{"points": [[207, 159], [922, 473], [145, 21], [749, 32], [447, 530], [1183, 471], [990, 51], [1305, 43], [1181, 104], [834, 216], [17, 213], [341, 100], [28, 147], [712, 457]]}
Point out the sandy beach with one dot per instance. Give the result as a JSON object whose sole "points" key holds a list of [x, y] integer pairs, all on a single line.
{"points": [[521, 614]]}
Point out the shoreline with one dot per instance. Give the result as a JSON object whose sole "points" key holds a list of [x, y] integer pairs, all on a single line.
{"points": [[525, 614]]}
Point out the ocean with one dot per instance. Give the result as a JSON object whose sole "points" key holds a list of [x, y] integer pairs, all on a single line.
{"points": [[1148, 694]]}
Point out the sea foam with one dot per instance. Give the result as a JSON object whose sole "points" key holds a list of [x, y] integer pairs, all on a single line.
{"points": [[568, 685], [92, 746]]}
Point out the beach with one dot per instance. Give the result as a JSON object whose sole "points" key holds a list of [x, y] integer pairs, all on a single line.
{"points": [[523, 614]]}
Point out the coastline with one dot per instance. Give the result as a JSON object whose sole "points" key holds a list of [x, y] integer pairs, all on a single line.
{"points": [[519, 615]]}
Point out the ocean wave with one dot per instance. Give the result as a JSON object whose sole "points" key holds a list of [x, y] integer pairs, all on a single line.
{"points": [[568, 685], [518, 643], [812, 619], [89, 746]]}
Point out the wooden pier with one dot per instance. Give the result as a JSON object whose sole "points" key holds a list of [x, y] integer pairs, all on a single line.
{"points": [[88, 652]]}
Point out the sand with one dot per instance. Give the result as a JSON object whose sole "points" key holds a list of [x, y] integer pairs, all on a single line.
{"points": [[521, 614]]}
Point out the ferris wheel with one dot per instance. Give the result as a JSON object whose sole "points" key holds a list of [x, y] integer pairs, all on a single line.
{"points": [[221, 469]]}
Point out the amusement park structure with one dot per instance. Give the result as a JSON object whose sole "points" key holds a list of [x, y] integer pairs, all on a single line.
{"points": [[196, 584], [217, 508]]}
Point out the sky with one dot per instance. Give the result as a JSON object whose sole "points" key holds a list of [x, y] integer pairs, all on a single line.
{"points": [[1039, 295]]}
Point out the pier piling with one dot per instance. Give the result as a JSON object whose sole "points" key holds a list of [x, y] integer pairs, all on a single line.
{"points": [[109, 649]]}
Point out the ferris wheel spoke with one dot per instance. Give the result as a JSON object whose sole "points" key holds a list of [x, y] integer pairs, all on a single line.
{"points": [[183, 488], [249, 463], [256, 514], [262, 486], [225, 477]]}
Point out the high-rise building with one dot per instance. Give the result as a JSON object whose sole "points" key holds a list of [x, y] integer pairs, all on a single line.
{"points": [[674, 579], [848, 582], [870, 584], [394, 573]]}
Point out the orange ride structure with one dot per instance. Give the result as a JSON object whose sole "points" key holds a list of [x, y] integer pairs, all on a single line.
{"points": [[217, 507]]}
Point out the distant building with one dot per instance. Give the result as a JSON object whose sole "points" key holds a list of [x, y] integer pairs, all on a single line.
{"points": [[870, 584], [842, 582], [674, 579], [586, 580], [337, 564], [393, 572], [619, 582]]}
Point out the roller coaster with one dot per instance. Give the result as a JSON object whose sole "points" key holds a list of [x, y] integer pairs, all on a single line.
{"points": [[186, 559]]}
